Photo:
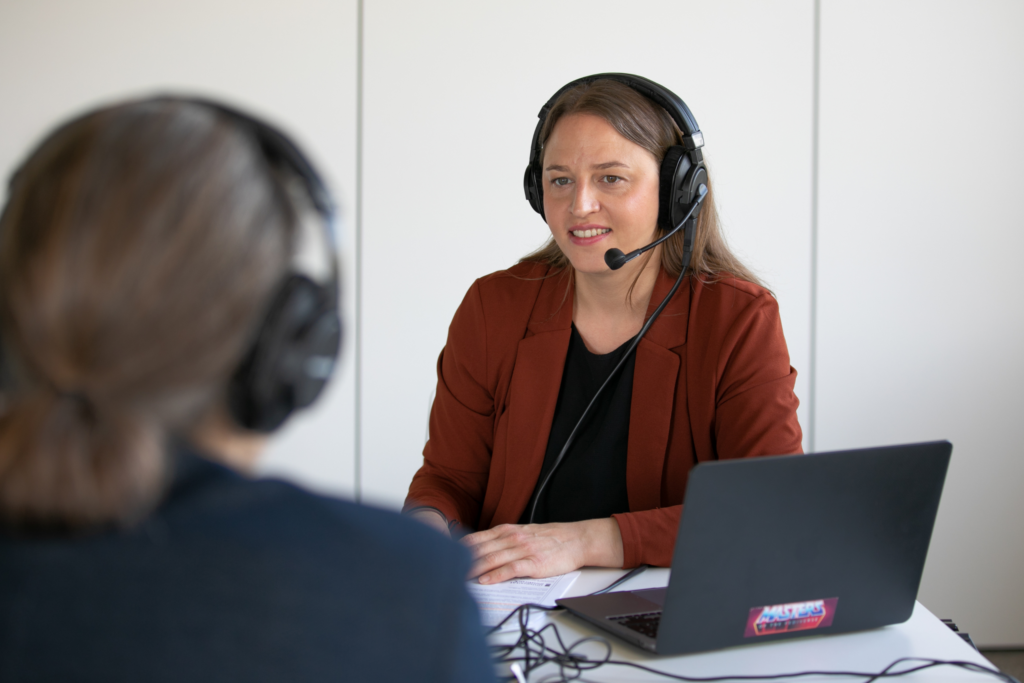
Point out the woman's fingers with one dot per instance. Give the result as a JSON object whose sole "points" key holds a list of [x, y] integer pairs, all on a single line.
{"points": [[534, 550], [539, 550], [494, 550], [505, 573], [471, 540]]}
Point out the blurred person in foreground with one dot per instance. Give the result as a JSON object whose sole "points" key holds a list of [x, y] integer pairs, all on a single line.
{"points": [[168, 296]]}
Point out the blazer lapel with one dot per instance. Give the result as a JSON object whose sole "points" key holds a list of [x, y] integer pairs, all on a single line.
{"points": [[655, 378], [532, 399], [650, 418], [533, 395], [669, 330]]}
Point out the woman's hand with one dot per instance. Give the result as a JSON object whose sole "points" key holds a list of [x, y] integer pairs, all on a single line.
{"points": [[540, 550]]}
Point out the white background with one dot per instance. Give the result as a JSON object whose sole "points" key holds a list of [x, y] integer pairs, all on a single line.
{"points": [[917, 329]]}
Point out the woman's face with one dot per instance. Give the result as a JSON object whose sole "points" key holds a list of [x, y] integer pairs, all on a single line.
{"points": [[600, 191]]}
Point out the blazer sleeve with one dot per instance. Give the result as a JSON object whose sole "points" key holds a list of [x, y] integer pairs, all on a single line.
{"points": [[749, 389], [457, 456]]}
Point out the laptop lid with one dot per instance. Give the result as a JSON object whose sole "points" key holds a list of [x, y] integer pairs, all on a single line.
{"points": [[781, 547]]}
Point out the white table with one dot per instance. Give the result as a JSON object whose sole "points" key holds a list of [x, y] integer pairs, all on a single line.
{"points": [[923, 635]]}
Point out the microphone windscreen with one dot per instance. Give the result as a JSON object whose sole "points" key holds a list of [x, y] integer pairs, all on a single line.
{"points": [[614, 258]]}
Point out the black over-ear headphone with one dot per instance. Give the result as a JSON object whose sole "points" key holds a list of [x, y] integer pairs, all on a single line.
{"points": [[294, 352], [682, 169]]}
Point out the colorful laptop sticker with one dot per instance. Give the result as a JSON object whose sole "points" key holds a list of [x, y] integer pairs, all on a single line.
{"points": [[792, 616]]}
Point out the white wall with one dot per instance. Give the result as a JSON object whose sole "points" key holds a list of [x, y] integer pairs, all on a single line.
{"points": [[918, 326], [297, 67], [921, 228]]}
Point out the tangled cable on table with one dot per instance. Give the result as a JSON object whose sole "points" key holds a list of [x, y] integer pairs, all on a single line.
{"points": [[537, 653], [571, 664]]}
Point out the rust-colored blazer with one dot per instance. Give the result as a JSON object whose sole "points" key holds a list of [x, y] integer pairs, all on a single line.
{"points": [[712, 380]]}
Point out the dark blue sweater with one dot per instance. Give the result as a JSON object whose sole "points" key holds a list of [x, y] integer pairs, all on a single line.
{"points": [[240, 580]]}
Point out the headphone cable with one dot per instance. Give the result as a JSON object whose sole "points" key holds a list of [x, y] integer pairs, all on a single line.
{"points": [[687, 254]]}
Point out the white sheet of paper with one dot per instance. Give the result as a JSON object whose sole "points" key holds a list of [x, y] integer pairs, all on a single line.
{"points": [[497, 600]]}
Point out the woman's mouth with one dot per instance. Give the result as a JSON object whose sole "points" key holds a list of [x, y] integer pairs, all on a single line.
{"points": [[585, 235], [590, 232]]}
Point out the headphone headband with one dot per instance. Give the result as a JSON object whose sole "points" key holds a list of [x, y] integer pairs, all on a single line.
{"points": [[659, 94], [293, 353], [279, 150]]}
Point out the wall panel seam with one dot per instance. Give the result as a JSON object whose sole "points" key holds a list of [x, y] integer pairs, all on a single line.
{"points": [[358, 461], [815, 117]]}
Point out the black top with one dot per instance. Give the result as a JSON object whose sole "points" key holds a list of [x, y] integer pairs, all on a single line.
{"points": [[233, 579], [591, 481]]}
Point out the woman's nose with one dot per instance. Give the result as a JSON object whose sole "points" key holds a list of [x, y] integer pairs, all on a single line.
{"points": [[585, 201]]}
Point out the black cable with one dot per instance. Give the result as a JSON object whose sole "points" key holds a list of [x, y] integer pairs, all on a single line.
{"points": [[688, 240], [571, 664], [537, 653], [869, 677], [528, 606], [518, 611], [622, 579]]}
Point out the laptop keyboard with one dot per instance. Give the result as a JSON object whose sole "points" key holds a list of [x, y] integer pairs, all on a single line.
{"points": [[646, 623]]}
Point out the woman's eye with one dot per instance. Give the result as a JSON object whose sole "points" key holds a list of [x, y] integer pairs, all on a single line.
{"points": [[559, 182], [610, 179]]}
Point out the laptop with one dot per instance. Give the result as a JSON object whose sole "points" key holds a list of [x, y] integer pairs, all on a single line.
{"points": [[787, 546]]}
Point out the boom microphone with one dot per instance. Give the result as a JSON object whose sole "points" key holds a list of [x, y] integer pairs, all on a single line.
{"points": [[616, 259]]}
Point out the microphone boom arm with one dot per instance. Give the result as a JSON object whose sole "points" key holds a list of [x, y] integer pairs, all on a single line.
{"points": [[616, 259]]}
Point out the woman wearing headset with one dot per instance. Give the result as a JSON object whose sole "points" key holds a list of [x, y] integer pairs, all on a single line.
{"points": [[616, 164], [155, 322]]}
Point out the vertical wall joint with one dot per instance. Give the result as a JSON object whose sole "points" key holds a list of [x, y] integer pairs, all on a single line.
{"points": [[815, 104]]}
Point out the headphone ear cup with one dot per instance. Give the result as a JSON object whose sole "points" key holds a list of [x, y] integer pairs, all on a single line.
{"points": [[532, 189], [695, 178], [292, 359], [679, 181], [674, 167]]}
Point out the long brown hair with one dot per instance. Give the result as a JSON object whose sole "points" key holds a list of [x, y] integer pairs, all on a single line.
{"points": [[646, 124], [138, 249]]}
